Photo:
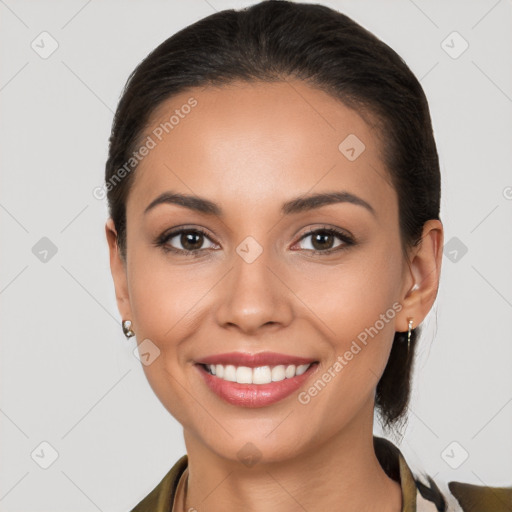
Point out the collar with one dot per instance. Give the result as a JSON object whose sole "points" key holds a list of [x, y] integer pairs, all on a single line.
{"points": [[395, 466]]}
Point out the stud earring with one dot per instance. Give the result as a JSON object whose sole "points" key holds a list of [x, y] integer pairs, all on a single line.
{"points": [[127, 329]]}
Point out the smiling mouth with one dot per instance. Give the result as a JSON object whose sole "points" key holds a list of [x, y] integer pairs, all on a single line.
{"points": [[256, 386]]}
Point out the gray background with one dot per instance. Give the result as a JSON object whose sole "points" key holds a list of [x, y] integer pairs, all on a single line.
{"points": [[68, 376]]}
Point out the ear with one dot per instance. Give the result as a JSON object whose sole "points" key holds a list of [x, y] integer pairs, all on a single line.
{"points": [[422, 276], [118, 269]]}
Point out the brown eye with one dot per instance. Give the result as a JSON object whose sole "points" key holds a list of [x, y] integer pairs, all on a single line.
{"points": [[323, 240], [191, 240], [188, 242]]}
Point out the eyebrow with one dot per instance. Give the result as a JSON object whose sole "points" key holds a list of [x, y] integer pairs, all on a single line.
{"points": [[297, 205]]}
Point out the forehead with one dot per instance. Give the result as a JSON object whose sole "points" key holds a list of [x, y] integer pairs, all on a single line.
{"points": [[248, 144]]}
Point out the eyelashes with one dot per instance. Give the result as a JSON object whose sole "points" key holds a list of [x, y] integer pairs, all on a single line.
{"points": [[341, 235], [185, 235], [163, 240]]}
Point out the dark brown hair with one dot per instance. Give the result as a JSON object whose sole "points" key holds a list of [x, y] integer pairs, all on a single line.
{"points": [[275, 40]]}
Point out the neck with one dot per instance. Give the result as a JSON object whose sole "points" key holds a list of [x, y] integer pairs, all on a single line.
{"points": [[342, 473]]}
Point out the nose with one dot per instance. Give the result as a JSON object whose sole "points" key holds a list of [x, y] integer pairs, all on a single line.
{"points": [[254, 296]]}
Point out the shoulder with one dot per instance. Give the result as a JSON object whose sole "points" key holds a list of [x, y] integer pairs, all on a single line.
{"points": [[160, 499], [422, 493], [461, 496], [480, 498]]}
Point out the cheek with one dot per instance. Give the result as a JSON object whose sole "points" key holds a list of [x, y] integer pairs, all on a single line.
{"points": [[352, 296], [163, 295], [171, 388], [164, 301], [356, 304]]}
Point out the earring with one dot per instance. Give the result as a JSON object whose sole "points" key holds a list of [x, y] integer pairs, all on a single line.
{"points": [[127, 328], [409, 335]]}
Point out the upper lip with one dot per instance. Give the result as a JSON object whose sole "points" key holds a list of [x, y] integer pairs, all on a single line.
{"points": [[254, 360]]}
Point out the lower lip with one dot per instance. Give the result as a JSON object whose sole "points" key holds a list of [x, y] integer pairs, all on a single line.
{"points": [[254, 395]]}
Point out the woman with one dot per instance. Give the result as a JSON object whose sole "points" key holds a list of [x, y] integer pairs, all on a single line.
{"points": [[240, 146]]}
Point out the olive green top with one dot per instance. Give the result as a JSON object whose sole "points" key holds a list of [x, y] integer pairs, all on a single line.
{"points": [[417, 496]]}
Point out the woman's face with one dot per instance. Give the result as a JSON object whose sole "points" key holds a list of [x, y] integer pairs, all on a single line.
{"points": [[253, 282]]}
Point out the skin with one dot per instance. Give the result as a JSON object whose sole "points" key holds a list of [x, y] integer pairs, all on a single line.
{"points": [[249, 148]]}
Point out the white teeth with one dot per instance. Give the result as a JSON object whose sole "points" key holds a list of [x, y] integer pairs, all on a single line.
{"points": [[259, 375], [302, 368], [244, 375], [230, 373], [278, 373], [290, 371]]}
